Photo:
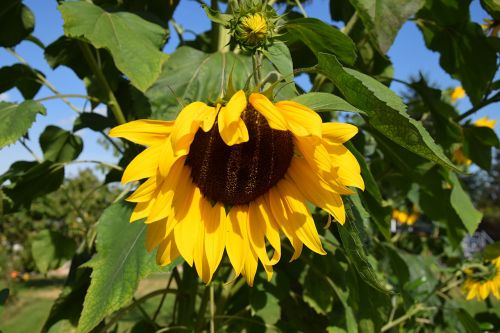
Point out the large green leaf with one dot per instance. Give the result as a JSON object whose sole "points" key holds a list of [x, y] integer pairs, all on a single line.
{"points": [[120, 263], [32, 180], [21, 76], [321, 37], [466, 53], [462, 204], [383, 18], [50, 249], [325, 102], [351, 234], [59, 145], [16, 119], [134, 43], [16, 22], [281, 59], [385, 110], [190, 75]]}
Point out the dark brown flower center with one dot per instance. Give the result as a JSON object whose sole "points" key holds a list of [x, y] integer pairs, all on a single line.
{"points": [[238, 174]]}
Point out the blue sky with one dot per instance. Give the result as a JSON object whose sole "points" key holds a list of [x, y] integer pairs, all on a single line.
{"points": [[408, 54]]}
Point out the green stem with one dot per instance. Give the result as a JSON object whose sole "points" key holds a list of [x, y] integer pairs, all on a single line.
{"points": [[416, 309], [256, 64], [63, 96], [212, 309], [479, 106], [112, 101], [163, 297], [350, 24], [109, 165], [302, 10], [136, 302], [202, 310]]}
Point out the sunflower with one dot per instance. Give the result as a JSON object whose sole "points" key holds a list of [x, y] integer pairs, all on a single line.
{"points": [[480, 284], [405, 218], [228, 177]]}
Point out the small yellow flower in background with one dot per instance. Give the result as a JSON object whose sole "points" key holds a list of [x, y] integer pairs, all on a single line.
{"points": [[480, 283], [457, 93], [405, 218], [460, 158], [228, 177], [485, 122]]}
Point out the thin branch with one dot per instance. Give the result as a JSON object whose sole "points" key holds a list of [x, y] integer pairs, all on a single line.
{"points": [[479, 106], [112, 101], [302, 10], [169, 282], [109, 165], [64, 96], [30, 150]]}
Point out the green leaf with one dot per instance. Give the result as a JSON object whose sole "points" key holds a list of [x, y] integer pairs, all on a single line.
{"points": [[383, 18], [190, 75], [94, 121], [4, 294], [461, 202], [22, 77], [51, 249], [466, 53], [264, 305], [16, 119], [491, 251], [59, 145], [325, 102], [492, 7], [351, 233], [468, 323], [34, 180], [321, 37], [281, 59], [385, 110], [120, 263], [134, 43], [16, 22], [317, 293], [478, 143], [69, 304]]}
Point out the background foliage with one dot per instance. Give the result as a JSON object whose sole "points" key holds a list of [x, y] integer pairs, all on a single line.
{"points": [[378, 276]]}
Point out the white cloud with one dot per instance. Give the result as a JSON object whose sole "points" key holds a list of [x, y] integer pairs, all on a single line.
{"points": [[4, 97]]}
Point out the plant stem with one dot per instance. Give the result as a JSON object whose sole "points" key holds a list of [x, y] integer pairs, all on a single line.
{"points": [[479, 106], [63, 96], [256, 63], [112, 101], [212, 309], [416, 309], [109, 165], [302, 10], [350, 24], [137, 301], [157, 312], [202, 310], [30, 151]]}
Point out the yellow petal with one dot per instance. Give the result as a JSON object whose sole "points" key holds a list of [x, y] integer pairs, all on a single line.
{"points": [[483, 291], [145, 192], [200, 257], [167, 252], [214, 222], [272, 228], [185, 127], [485, 122], [301, 120], [347, 165], [256, 232], [314, 153], [315, 190], [338, 132], [250, 265], [236, 237], [143, 165], [207, 117], [188, 229], [141, 210], [163, 203], [299, 216], [143, 132], [273, 116], [232, 129], [281, 217], [156, 233]]}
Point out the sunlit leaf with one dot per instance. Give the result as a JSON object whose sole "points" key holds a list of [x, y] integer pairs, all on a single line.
{"points": [[134, 43], [59, 145], [51, 249], [16, 119]]}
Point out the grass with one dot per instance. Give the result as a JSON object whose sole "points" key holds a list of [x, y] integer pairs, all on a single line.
{"points": [[27, 310]]}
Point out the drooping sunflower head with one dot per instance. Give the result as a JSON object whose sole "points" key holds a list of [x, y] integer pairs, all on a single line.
{"points": [[483, 279], [231, 176]]}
